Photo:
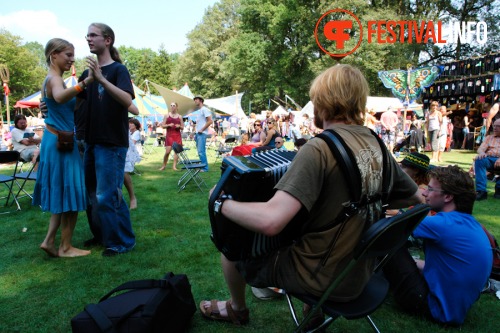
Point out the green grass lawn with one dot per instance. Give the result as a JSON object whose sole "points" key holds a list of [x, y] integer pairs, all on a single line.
{"points": [[42, 294]]}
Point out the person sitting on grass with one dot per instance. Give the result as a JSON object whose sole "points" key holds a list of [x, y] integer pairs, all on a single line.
{"points": [[458, 256], [488, 158]]}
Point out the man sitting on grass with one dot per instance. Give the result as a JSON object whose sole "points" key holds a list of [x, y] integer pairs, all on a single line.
{"points": [[488, 158], [458, 256]]}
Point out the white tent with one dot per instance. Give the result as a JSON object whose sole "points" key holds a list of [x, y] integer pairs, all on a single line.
{"points": [[379, 104], [308, 109], [230, 104], [186, 104], [280, 111]]}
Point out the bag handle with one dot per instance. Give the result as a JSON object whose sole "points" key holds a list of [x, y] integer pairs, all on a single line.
{"points": [[100, 318], [141, 284]]}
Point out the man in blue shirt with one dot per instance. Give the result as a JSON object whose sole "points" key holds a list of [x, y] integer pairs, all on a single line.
{"points": [[458, 255]]}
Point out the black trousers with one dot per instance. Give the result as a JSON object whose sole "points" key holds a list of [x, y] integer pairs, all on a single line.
{"points": [[408, 285]]}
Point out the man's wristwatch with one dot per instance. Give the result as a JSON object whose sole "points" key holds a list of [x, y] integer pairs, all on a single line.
{"points": [[218, 203]]}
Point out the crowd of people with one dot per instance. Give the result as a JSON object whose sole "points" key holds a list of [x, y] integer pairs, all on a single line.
{"points": [[457, 252]]}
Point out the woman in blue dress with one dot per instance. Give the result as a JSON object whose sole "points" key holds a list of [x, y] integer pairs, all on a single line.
{"points": [[60, 185]]}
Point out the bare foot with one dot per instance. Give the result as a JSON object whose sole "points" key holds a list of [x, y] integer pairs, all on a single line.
{"points": [[162, 168], [73, 252], [50, 250], [175, 169], [133, 203]]}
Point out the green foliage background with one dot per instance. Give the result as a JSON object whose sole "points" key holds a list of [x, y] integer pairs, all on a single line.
{"points": [[267, 48]]}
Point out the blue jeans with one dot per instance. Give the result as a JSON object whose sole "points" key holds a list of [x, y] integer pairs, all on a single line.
{"points": [[201, 146], [110, 217], [480, 167]]}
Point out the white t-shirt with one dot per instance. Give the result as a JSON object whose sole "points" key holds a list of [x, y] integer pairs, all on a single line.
{"points": [[201, 119], [18, 136]]}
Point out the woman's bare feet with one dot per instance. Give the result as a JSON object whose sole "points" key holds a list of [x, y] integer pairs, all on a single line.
{"points": [[162, 168], [175, 169], [49, 249], [72, 252], [133, 203]]}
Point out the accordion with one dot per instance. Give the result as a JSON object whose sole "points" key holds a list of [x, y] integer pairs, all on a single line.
{"points": [[249, 178]]}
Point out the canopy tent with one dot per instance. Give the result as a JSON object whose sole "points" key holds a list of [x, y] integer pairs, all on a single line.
{"points": [[280, 111], [308, 109], [149, 104], [186, 104], [379, 104], [185, 91], [33, 101], [229, 105]]}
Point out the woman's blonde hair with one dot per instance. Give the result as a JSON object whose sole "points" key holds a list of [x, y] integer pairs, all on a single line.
{"points": [[340, 94], [55, 45]]}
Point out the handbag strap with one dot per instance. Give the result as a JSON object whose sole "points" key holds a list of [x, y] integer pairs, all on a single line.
{"points": [[100, 318], [140, 284]]}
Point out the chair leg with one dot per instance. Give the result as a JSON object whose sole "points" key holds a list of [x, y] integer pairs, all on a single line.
{"points": [[372, 324]]}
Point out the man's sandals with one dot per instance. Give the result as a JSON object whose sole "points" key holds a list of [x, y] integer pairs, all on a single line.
{"points": [[236, 317]]}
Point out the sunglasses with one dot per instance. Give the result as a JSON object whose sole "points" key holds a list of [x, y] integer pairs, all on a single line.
{"points": [[257, 125], [172, 105], [278, 141]]}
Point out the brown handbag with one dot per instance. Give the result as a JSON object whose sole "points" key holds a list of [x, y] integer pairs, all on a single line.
{"points": [[65, 140]]}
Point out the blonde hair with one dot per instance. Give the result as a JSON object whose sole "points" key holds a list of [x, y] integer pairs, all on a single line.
{"points": [[55, 45], [340, 94]]}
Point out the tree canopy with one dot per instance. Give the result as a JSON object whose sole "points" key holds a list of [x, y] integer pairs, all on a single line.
{"points": [[267, 48]]}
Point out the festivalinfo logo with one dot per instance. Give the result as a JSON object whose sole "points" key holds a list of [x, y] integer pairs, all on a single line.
{"points": [[339, 32]]}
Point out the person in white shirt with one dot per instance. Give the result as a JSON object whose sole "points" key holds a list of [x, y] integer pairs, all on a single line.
{"points": [[24, 140], [203, 122]]}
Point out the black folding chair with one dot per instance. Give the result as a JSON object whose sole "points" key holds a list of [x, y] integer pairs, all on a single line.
{"points": [[225, 147], [381, 241], [9, 161], [192, 170], [22, 178]]}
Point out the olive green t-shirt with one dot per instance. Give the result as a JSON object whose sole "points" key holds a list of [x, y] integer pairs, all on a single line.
{"points": [[316, 180]]}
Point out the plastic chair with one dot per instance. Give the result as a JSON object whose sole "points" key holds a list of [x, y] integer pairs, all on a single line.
{"points": [[7, 159], [381, 240], [192, 169]]}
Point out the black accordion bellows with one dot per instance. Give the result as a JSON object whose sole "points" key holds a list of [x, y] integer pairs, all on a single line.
{"points": [[249, 178]]}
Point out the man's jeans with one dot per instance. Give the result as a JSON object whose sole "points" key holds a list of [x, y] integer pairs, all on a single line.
{"points": [[110, 218], [480, 167], [201, 146]]}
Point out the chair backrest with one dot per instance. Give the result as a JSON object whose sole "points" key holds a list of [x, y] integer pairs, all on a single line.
{"points": [[382, 239], [388, 235], [9, 156], [177, 148], [230, 139]]}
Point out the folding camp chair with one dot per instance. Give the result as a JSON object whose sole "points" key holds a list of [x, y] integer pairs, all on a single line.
{"points": [[9, 161], [192, 169], [22, 178], [225, 147], [381, 240]]}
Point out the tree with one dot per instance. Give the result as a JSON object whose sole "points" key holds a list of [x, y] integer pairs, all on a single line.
{"points": [[26, 72]]}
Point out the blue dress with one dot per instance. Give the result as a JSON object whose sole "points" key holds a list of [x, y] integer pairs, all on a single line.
{"points": [[60, 184]]}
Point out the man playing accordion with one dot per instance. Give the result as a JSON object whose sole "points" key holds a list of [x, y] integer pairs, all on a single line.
{"points": [[314, 182]]}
